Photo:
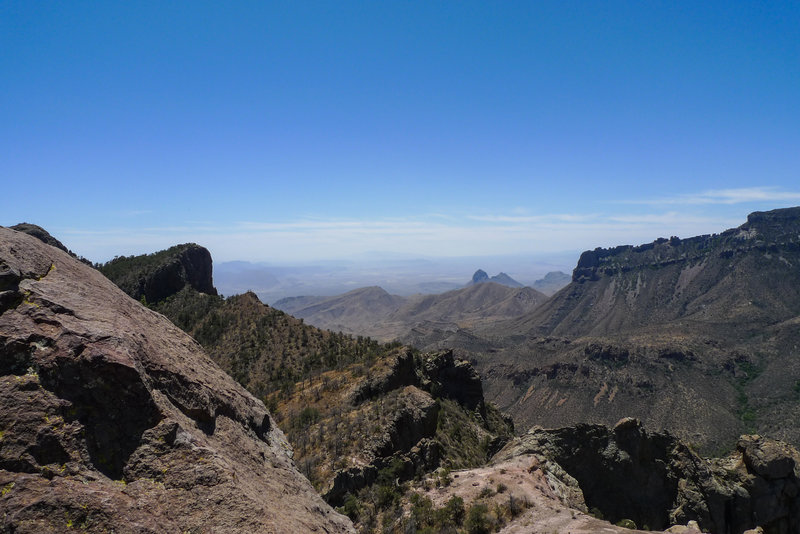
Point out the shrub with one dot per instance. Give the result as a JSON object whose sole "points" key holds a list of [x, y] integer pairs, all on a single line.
{"points": [[422, 510], [452, 513], [308, 416], [386, 496], [486, 491], [477, 521], [351, 507]]}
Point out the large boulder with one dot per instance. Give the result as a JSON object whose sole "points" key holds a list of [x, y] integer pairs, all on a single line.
{"points": [[112, 419]]}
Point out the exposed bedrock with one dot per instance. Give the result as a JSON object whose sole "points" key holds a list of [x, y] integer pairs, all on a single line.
{"points": [[656, 480]]}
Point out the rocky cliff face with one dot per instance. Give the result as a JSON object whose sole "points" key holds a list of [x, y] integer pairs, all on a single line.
{"points": [[742, 275], [163, 274], [656, 480], [112, 419]]}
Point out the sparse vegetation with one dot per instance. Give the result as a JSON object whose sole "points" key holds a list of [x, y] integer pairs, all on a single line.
{"points": [[6, 489], [264, 349], [477, 521]]}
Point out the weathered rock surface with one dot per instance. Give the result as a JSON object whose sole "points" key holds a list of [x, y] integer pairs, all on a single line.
{"points": [[44, 236], [656, 480], [40, 233], [112, 419], [440, 374]]}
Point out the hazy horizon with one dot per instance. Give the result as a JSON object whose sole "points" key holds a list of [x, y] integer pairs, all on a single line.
{"points": [[274, 281]]}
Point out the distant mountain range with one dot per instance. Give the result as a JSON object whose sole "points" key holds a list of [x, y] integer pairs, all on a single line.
{"points": [[552, 282], [707, 346], [699, 336], [374, 312], [275, 282]]}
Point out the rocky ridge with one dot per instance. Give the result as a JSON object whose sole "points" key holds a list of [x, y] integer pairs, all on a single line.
{"points": [[373, 312], [480, 277], [395, 415], [742, 275], [114, 419]]}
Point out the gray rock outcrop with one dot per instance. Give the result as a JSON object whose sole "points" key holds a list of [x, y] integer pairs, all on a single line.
{"points": [[656, 480]]}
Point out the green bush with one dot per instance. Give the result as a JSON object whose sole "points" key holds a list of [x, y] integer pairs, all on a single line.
{"points": [[308, 416], [477, 521], [452, 513], [351, 507], [386, 496], [422, 510]]}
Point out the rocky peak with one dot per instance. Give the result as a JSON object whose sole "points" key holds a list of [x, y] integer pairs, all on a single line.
{"points": [[112, 419], [162, 274], [445, 376], [39, 233], [479, 276], [44, 236]]}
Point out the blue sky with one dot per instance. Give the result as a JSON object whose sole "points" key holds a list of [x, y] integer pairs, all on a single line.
{"points": [[298, 131]]}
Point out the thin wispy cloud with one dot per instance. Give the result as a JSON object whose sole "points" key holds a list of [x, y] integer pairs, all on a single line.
{"points": [[305, 240], [726, 196], [534, 219]]}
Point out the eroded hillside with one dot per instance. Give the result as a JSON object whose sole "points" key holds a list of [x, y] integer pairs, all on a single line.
{"points": [[697, 336]]}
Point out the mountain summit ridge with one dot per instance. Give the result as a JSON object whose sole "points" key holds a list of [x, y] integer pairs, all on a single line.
{"points": [[502, 278]]}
